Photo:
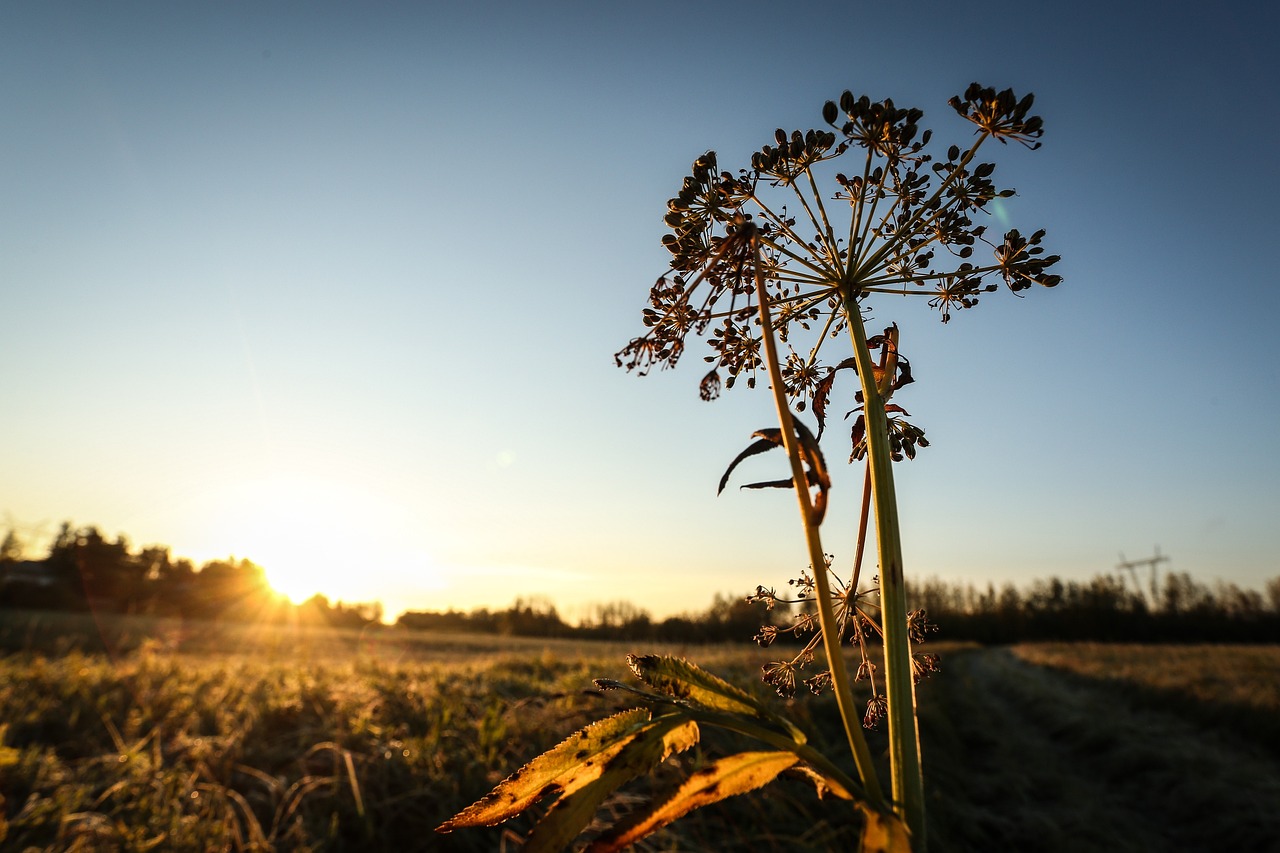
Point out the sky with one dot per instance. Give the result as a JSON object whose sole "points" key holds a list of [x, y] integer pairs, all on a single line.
{"points": [[336, 288]]}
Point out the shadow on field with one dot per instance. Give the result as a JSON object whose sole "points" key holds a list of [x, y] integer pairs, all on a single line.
{"points": [[1230, 691], [1025, 757]]}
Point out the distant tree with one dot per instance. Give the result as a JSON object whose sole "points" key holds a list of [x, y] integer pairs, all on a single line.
{"points": [[617, 619], [532, 617], [318, 610], [733, 617], [233, 589], [102, 573], [451, 620], [11, 548], [1182, 595]]}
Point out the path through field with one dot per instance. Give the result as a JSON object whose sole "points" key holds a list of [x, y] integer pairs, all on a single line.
{"points": [[1025, 757]]}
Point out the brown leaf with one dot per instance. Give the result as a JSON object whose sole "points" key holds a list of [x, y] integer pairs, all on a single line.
{"points": [[728, 777], [770, 438]]}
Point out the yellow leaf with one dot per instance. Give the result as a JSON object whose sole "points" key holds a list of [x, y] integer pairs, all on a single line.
{"points": [[730, 776], [576, 760], [884, 833], [570, 814]]}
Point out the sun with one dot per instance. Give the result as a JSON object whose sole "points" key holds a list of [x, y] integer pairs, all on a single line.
{"points": [[317, 536]]}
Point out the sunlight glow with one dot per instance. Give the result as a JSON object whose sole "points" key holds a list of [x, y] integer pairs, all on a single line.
{"points": [[315, 536]]}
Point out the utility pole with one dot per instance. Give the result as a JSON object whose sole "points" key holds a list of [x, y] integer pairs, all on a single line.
{"points": [[1152, 562]]}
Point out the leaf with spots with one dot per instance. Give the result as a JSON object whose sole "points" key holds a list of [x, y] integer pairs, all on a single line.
{"points": [[563, 769], [571, 814], [728, 777]]}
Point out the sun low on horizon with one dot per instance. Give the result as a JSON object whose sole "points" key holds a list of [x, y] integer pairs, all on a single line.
{"points": [[314, 535]]}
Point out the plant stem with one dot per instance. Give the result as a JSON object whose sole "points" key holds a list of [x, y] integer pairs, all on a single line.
{"points": [[904, 735], [862, 529], [826, 616]]}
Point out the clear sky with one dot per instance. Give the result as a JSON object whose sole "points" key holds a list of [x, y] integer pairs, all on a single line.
{"points": [[336, 287]]}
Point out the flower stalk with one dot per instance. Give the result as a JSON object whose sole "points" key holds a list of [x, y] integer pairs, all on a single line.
{"points": [[914, 222], [831, 632], [904, 735], [781, 280]]}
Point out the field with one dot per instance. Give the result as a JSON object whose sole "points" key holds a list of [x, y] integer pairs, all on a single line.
{"points": [[185, 737]]}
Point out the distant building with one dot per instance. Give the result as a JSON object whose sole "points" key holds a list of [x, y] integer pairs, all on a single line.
{"points": [[31, 583]]}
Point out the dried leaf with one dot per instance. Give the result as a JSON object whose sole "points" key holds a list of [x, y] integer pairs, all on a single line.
{"points": [[770, 484], [817, 473], [822, 784], [769, 439], [810, 454], [822, 392], [728, 777], [571, 814], [576, 761], [883, 833]]}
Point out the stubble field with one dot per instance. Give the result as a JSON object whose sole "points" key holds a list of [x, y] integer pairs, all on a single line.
{"points": [[217, 738]]}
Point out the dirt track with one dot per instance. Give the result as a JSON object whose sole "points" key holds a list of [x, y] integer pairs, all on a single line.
{"points": [[1023, 757]]}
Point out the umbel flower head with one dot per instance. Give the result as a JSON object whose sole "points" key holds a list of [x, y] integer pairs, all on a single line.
{"points": [[894, 220]]}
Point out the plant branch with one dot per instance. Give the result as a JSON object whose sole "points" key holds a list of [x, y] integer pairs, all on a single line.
{"points": [[923, 209], [827, 618], [904, 736], [828, 232]]}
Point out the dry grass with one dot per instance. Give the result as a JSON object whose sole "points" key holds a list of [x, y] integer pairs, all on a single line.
{"points": [[1022, 756], [1226, 689], [366, 742]]}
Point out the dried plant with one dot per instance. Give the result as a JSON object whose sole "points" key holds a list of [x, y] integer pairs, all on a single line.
{"points": [[771, 271]]}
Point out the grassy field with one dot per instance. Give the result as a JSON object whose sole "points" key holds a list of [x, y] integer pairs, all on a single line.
{"points": [[197, 738]]}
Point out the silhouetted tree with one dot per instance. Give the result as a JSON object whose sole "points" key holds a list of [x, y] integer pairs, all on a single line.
{"points": [[233, 589], [11, 548]]}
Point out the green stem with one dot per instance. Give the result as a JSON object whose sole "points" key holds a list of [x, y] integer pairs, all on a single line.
{"points": [[817, 558], [904, 735]]}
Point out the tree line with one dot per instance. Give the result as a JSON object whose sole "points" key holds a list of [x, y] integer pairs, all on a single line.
{"points": [[728, 618], [1104, 609], [1107, 608], [85, 570]]}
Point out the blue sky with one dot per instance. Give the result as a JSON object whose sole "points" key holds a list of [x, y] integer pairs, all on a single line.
{"points": [[337, 289]]}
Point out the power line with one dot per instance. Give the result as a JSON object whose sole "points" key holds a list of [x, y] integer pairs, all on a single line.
{"points": [[1152, 563]]}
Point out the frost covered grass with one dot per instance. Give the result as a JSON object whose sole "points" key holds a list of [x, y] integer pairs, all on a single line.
{"points": [[349, 750]]}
